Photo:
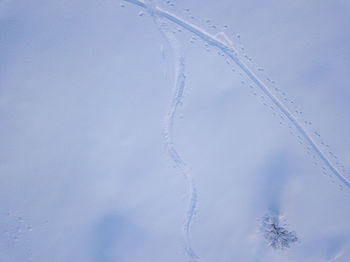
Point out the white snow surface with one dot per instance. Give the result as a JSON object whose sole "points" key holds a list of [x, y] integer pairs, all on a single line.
{"points": [[174, 131]]}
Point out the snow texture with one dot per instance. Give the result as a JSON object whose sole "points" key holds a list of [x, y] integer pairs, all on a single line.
{"points": [[232, 53], [97, 163], [179, 88], [277, 236]]}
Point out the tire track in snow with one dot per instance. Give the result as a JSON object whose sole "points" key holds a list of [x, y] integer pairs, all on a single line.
{"points": [[233, 55], [179, 87]]}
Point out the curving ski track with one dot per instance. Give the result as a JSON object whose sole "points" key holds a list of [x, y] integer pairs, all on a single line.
{"points": [[177, 97], [233, 55], [180, 164]]}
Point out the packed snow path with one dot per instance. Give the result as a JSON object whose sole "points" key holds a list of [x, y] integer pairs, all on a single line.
{"points": [[233, 55]]}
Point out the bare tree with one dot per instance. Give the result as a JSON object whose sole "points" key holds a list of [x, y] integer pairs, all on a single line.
{"points": [[276, 234]]}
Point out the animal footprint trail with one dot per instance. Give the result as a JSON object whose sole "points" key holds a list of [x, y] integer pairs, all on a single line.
{"points": [[179, 87], [233, 55]]}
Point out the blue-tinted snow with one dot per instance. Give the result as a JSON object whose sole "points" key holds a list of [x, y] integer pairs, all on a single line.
{"points": [[85, 87]]}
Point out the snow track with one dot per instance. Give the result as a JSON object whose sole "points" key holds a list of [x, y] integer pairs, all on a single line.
{"points": [[176, 101], [233, 55]]}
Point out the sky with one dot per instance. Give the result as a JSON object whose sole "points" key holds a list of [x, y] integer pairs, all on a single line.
{"points": [[86, 171]]}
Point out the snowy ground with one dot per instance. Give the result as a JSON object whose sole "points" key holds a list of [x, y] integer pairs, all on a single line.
{"points": [[174, 131]]}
